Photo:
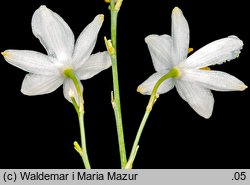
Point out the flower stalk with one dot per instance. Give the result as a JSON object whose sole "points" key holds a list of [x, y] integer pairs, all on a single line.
{"points": [[80, 112], [173, 73]]}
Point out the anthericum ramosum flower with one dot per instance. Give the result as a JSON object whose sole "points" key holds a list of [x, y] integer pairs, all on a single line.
{"points": [[47, 72], [193, 82]]}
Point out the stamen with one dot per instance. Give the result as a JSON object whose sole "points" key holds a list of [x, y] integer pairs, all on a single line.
{"points": [[205, 68], [109, 46], [190, 50]]}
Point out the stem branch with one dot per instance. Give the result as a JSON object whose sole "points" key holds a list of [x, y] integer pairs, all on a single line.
{"points": [[171, 74]]}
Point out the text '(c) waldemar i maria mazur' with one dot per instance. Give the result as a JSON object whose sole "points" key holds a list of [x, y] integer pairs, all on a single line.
{"points": [[27, 176]]}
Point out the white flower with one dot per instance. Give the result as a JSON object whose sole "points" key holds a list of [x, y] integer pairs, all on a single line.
{"points": [[193, 83], [46, 72]]}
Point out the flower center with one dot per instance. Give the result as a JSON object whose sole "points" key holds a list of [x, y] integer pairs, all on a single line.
{"points": [[177, 72], [67, 72]]}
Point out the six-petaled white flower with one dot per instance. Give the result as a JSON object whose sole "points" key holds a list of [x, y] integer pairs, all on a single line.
{"points": [[192, 83], [46, 72]]}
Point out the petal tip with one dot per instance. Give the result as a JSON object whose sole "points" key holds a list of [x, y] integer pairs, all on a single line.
{"points": [[207, 116], [41, 11], [101, 17], [139, 89], [149, 38], [243, 87], [4, 53], [176, 10], [24, 92], [236, 38], [146, 39], [233, 37], [43, 6]]}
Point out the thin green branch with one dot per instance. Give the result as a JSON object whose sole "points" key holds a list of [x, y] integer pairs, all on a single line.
{"points": [[171, 74], [83, 141]]}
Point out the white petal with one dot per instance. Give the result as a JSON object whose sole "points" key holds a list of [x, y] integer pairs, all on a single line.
{"points": [[216, 52], [94, 65], [39, 84], [68, 86], [215, 80], [54, 33], [198, 97], [160, 49], [180, 36], [31, 61], [86, 41], [147, 86]]}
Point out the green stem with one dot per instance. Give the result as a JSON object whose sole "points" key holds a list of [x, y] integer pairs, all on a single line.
{"points": [[114, 7], [83, 141], [80, 112], [171, 74]]}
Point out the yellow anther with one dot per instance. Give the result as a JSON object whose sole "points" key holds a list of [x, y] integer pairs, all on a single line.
{"points": [[109, 46], [205, 68], [78, 148], [107, 1], [118, 5], [190, 50]]}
